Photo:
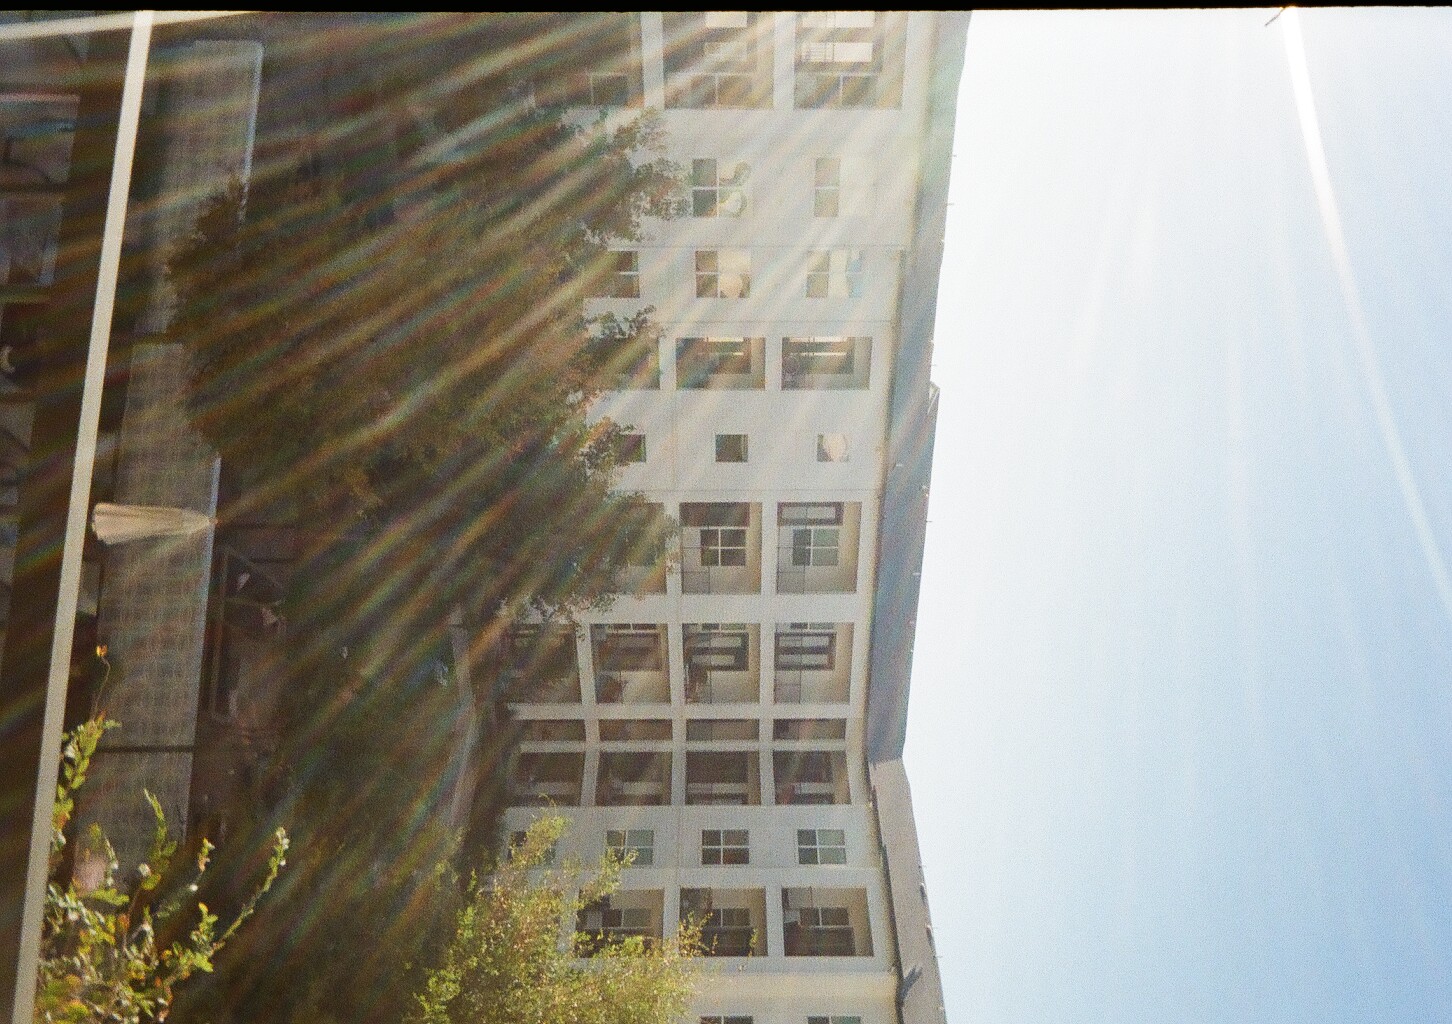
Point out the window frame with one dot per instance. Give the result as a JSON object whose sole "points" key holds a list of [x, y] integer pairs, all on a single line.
{"points": [[837, 273], [623, 280], [723, 547], [732, 448], [827, 195], [711, 268], [816, 547], [811, 853], [713, 195], [725, 847], [640, 841]]}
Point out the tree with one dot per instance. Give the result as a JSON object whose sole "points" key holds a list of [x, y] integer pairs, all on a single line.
{"points": [[394, 364], [507, 964], [112, 954]]}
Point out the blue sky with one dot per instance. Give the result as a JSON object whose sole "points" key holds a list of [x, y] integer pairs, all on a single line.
{"points": [[1182, 702]]}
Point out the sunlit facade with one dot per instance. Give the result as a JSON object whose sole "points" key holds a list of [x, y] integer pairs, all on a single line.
{"points": [[736, 721]]}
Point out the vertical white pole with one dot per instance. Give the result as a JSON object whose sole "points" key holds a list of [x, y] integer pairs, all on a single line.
{"points": [[77, 514]]}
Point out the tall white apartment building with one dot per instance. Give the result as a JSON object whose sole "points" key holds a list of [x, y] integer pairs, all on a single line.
{"points": [[738, 720]]}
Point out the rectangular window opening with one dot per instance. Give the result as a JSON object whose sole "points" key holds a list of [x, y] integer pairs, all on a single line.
{"points": [[730, 447]]}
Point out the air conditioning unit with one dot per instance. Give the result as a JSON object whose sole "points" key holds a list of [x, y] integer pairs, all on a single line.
{"points": [[594, 921]]}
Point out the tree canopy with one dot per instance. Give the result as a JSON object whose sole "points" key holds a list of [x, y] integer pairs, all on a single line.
{"points": [[506, 963], [392, 359]]}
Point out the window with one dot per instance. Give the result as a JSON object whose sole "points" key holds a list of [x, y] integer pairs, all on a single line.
{"points": [[815, 546], [808, 513], [630, 448], [639, 841], [827, 187], [816, 541], [718, 59], [609, 90], [631, 647], [821, 931], [821, 846], [613, 730], [849, 59], [831, 447], [616, 923], [832, 274], [730, 447], [623, 279], [723, 545], [723, 274], [841, 51], [829, 362], [831, 354], [809, 729], [725, 846], [718, 189], [707, 729], [729, 363], [838, 19], [727, 932], [807, 645], [516, 840]]}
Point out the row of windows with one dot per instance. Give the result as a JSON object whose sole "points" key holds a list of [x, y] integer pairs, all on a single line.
{"points": [[719, 847], [726, 59], [841, 59], [731, 448], [831, 362], [736, 1018], [726, 274], [698, 730], [719, 187]]}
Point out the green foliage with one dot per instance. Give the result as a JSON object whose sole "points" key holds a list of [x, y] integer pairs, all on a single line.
{"points": [[392, 359], [507, 963], [104, 952]]}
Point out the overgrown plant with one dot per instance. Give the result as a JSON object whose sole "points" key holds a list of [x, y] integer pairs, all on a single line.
{"points": [[106, 952], [510, 961]]}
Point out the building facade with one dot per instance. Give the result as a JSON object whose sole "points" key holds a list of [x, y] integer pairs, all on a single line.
{"points": [[736, 720]]}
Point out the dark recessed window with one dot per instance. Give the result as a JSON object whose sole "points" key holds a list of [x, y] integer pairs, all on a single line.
{"points": [[630, 448], [730, 447]]}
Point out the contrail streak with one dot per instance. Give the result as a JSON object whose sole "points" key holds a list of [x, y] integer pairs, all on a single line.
{"points": [[1370, 367]]}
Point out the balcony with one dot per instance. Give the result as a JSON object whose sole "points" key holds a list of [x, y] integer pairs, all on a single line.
{"points": [[716, 59], [623, 915], [630, 663], [602, 62], [552, 730], [641, 572], [729, 778], [826, 922], [540, 665], [723, 663], [825, 363], [811, 777], [733, 920], [721, 364], [721, 548], [813, 662], [710, 730], [817, 547], [626, 730], [547, 779], [849, 59], [634, 779]]}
